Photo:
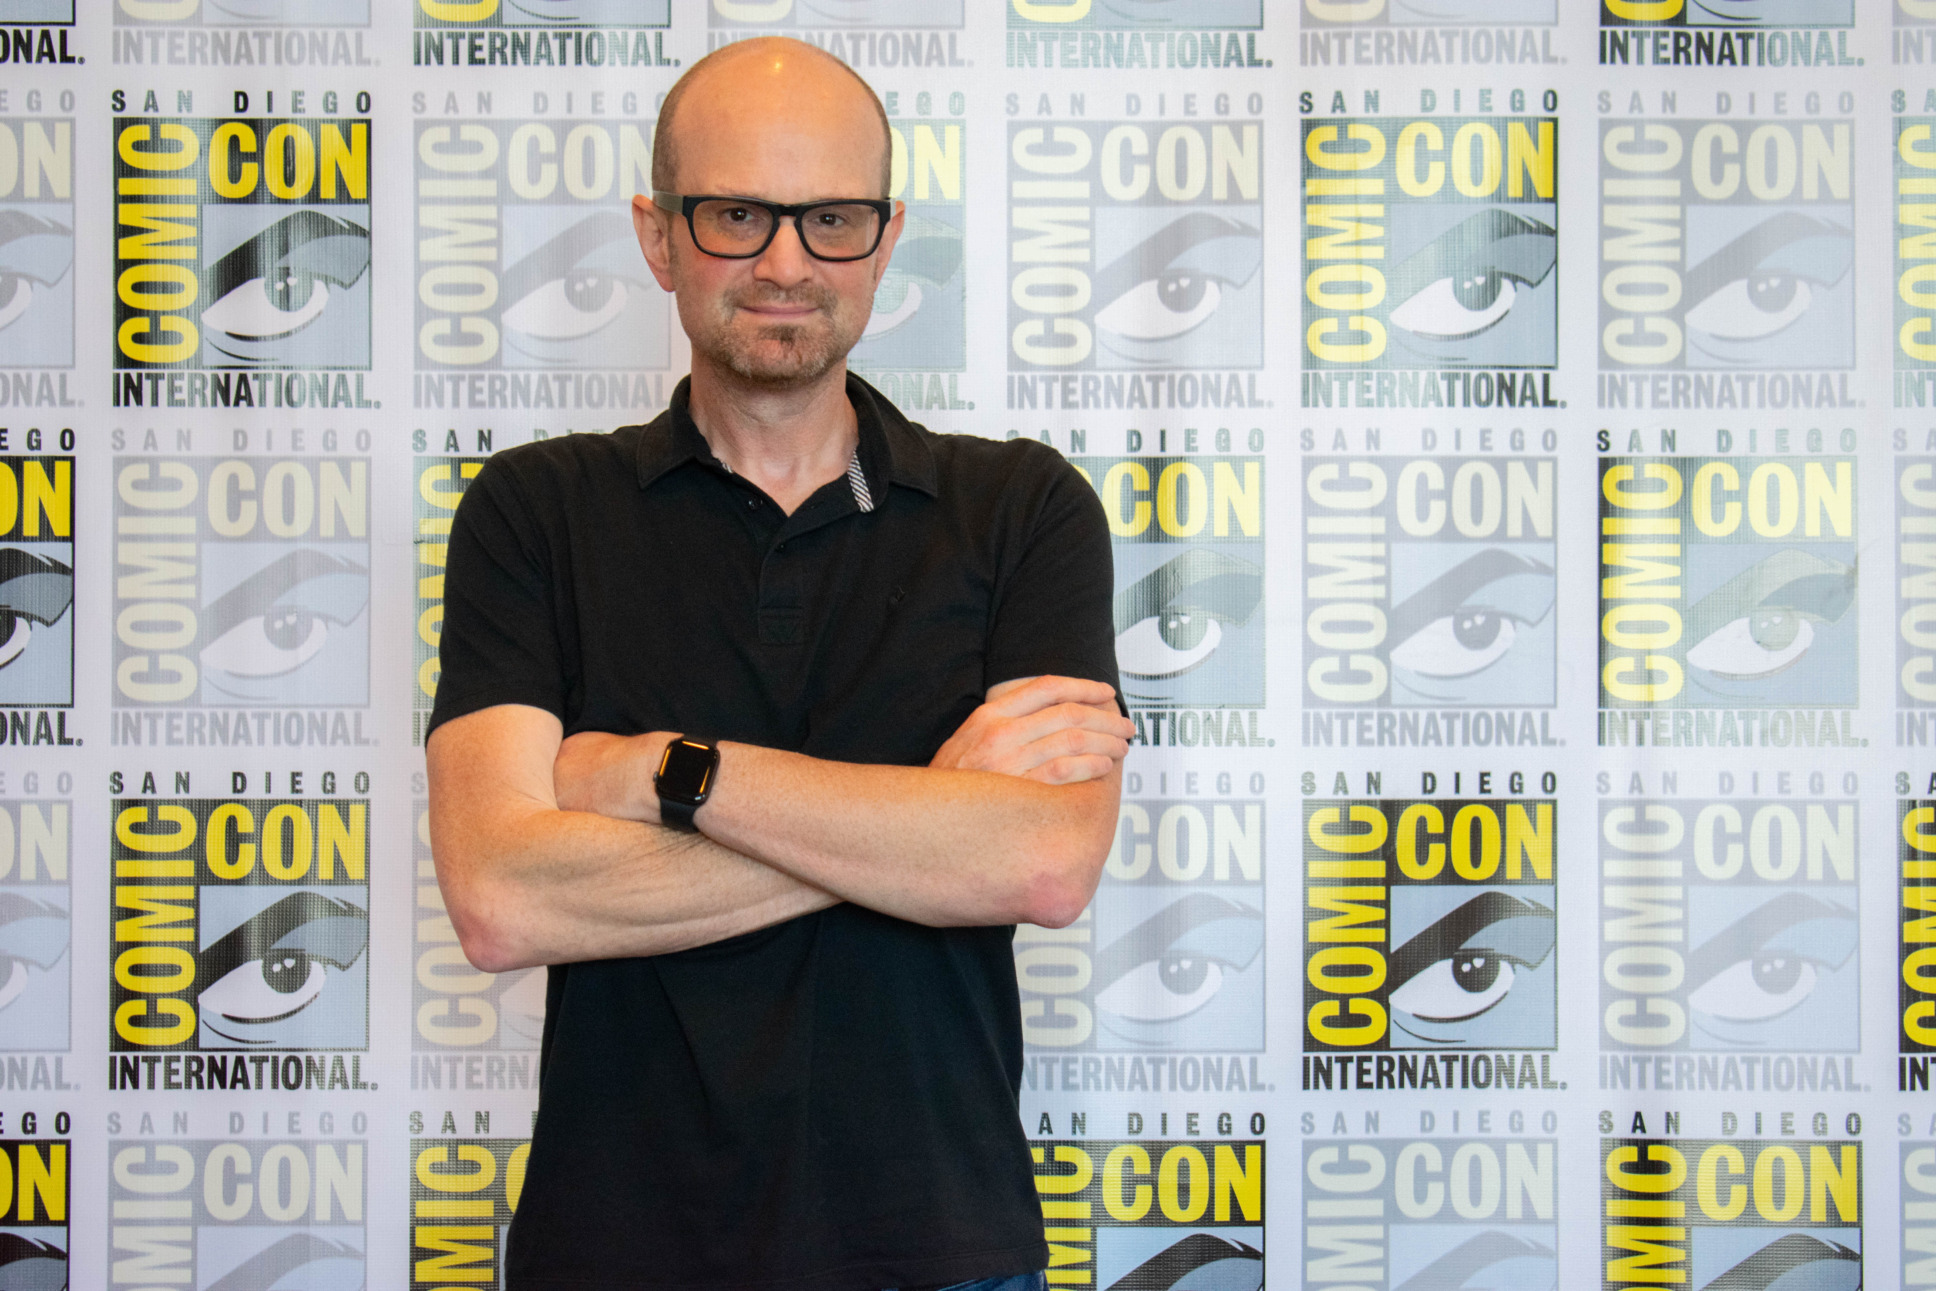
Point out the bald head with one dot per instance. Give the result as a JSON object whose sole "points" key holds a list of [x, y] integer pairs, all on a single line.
{"points": [[769, 79]]}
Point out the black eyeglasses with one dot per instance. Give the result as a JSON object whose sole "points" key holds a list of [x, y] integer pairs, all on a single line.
{"points": [[739, 228]]}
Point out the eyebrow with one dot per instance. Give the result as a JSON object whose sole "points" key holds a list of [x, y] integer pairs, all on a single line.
{"points": [[1450, 589], [259, 590], [1743, 255], [1521, 248], [342, 261], [1163, 928], [1740, 939], [1787, 580], [1455, 1268], [1148, 257], [256, 936], [561, 253], [1233, 582], [278, 1258], [1450, 933], [36, 586]]}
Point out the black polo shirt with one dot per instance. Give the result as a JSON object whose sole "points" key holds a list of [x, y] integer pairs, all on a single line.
{"points": [[831, 1102]]}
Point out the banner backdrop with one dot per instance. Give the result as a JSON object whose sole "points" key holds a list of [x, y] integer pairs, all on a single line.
{"points": [[1515, 421]]}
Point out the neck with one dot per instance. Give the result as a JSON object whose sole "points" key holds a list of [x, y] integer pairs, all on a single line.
{"points": [[787, 440]]}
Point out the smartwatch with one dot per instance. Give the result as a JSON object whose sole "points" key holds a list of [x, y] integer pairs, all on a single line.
{"points": [[684, 779]]}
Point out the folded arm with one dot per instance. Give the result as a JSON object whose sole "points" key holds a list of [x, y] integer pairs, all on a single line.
{"points": [[550, 850]]}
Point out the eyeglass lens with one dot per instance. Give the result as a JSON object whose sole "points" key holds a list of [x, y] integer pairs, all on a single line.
{"points": [[740, 228]]}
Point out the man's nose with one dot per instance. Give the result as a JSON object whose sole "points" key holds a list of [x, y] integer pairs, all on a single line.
{"points": [[785, 261]]}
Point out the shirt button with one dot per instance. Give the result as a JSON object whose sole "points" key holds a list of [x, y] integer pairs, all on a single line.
{"points": [[781, 547], [752, 504]]}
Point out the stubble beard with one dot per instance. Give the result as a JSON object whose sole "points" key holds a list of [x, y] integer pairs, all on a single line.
{"points": [[779, 355]]}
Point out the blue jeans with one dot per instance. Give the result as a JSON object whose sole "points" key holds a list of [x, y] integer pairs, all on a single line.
{"points": [[1020, 1282]]}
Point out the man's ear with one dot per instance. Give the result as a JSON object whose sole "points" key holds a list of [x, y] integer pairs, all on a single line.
{"points": [[654, 231], [889, 237]]}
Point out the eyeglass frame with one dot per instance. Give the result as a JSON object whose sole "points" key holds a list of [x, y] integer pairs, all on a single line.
{"points": [[685, 203]]}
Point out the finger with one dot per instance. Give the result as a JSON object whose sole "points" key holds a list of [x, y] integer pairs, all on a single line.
{"points": [[1072, 770], [1069, 743], [1048, 690], [1088, 717]]}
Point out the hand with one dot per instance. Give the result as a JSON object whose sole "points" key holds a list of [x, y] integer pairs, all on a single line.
{"points": [[610, 774], [1058, 730]]}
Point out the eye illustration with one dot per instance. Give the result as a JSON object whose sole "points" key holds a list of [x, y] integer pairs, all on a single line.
{"points": [[928, 256], [1467, 618], [1173, 281], [1174, 962], [33, 937], [1751, 12], [33, 589], [298, 1262], [276, 964], [30, 1265], [1763, 281], [1467, 280], [574, 285], [278, 282], [1467, 963], [1490, 1260], [1769, 962], [1795, 1260], [1200, 1262], [1763, 620], [1171, 620], [281, 617], [35, 253]]}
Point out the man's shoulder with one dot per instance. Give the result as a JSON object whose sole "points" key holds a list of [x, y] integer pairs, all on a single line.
{"points": [[569, 461], [979, 462]]}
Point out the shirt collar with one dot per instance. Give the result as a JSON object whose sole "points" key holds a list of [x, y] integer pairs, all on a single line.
{"points": [[891, 449]]}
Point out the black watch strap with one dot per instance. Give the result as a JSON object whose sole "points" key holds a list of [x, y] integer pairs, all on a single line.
{"points": [[678, 815], [685, 780]]}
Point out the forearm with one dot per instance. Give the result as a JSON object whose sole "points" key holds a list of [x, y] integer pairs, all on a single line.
{"points": [[939, 847], [550, 887]]}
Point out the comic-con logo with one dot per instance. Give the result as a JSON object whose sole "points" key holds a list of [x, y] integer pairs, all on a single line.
{"points": [[1188, 534], [242, 244], [456, 1006], [1429, 925], [1728, 14], [1427, 1213], [1430, 583], [240, 924], [1427, 13], [1135, 246], [1731, 1213], [1147, 14], [1431, 243], [543, 13], [526, 258], [1915, 586], [1729, 926], [1916, 948], [248, 585], [1170, 953], [1728, 583], [1915, 302], [440, 485], [463, 1193], [36, 242], [37, 585], [785, 15], [919, 321], [238, 1213], [36, 926], [33, 1212], [1153, 1215], [243, 13], [1726, 247], [1918, 1234]]}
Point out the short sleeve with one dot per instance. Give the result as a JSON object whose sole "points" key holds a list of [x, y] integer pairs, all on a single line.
{"points": [[1053, 612], [500, 633]]}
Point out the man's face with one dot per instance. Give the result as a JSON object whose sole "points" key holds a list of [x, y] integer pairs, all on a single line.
{"points": [[781, 318]]}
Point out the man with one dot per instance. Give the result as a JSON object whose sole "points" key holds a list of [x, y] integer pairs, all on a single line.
{"points": [[873, 667]]}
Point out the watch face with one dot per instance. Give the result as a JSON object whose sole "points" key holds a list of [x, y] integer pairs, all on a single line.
{"points": [[686, 772]]}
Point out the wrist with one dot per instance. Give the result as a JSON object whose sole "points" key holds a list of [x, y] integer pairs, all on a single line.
{"points": [[683, 780]]}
